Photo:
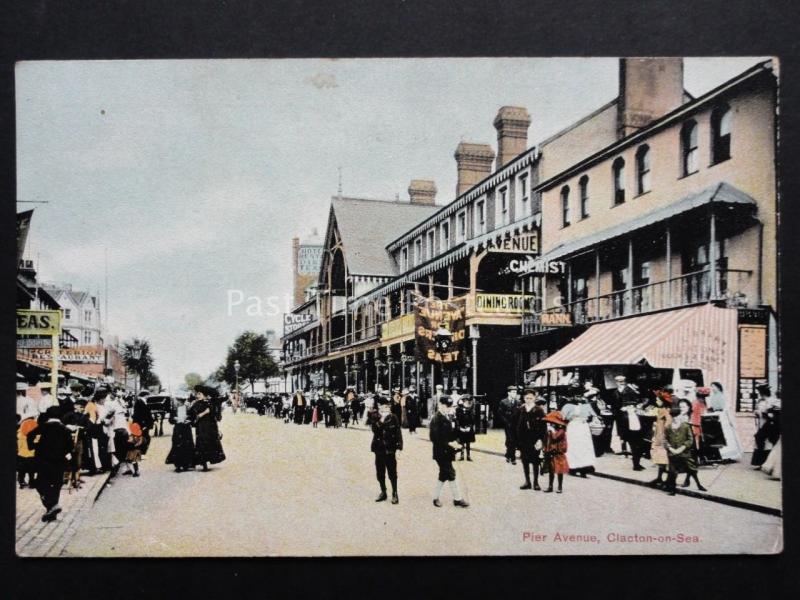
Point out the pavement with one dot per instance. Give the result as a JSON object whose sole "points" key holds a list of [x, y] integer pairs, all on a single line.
{"points": [[736, 483], [37, 539], [291, 490]]}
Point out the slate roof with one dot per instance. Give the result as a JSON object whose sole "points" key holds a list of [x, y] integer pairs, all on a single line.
{"points": [[367, 226], [77, 297]]}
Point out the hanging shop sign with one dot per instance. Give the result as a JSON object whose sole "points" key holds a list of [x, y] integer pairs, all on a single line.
{"points": [[400, 326], [440, 330], [509, 304], [73, 355], [752, 351], [38, 322], [534, 266], [553, 319], [292, 322], [27, 343], [521, 243]]}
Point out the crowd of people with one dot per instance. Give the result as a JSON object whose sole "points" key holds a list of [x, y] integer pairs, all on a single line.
{"points": [[60, 441]]}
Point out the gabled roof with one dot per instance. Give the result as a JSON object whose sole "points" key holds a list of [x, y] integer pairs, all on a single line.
{"points": [[77, 298], [367, 226]]}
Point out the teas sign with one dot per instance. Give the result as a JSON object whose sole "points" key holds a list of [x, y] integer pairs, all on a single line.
{"points": [[440, 330], [38, 322]]}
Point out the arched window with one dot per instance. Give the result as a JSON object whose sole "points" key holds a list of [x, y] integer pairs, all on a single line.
{"points": [[720, 134], [584, 191], [643, 169], [618, 169], [565, 206], [689, 147]]}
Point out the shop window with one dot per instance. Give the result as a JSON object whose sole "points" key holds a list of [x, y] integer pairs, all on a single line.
{"points": [[720, 134], [643, 169], [618, 170], [565, 206], [584, 192], [689, 149]]}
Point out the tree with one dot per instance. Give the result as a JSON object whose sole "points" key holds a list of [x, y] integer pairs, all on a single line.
{"points": [[141, 366], [151, 380], [191, 380], [255, 360]]}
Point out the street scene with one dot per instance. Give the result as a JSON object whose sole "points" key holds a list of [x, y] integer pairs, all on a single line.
{"points": [[318, 312]]}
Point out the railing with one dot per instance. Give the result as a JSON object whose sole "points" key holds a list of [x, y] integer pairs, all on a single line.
{"points": [[692, 288]]}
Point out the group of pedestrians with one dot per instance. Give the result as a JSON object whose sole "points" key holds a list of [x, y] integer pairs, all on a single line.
{"points": [[59, 441], [201, 411]]}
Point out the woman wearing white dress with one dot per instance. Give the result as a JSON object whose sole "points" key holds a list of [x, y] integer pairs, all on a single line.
{"points": [[717, 404], [580, 448]]}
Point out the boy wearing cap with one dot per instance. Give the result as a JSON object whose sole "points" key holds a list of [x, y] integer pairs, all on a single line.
{"points": [[442, 434], [531, 435], [507, 411], [387, 440]]}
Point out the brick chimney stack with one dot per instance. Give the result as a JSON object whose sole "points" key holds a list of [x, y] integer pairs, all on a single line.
{"points": [[422, 191], [474, 163], [512, 124], [649, 88]]}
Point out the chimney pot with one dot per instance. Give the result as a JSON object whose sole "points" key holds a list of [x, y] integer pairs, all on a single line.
{"points": [[512, 124], [422, 191]]}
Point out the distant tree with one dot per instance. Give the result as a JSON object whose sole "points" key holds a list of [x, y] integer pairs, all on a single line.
{"points": [[255, 360], [151, 380], [192, 379]]}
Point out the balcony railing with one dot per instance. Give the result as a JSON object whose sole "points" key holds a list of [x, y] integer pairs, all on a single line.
{"points": [[692, 288]]}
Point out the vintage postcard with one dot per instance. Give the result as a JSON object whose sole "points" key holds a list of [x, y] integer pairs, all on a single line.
{"points": [[386, 307]]}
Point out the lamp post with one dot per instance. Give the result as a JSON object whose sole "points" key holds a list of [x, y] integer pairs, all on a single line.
{"points": [[390, 362], [136, 354], [236, 367]]}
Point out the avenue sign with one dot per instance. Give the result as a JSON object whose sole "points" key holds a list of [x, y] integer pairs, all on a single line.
{"points": [[522, 243]]}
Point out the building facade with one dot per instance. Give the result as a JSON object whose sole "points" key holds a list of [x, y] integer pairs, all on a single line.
{"points": [[656, 202]]}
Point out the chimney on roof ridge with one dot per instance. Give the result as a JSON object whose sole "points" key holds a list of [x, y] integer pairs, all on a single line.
{"points": [[422, 191], [512, 124], [474, 163], [649, 88]]}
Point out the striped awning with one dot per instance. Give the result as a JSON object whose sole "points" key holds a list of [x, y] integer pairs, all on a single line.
{"points": [[701, 337]]}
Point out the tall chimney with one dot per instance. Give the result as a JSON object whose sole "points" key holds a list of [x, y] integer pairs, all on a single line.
{"points": [[422, 191], [649, 88], [298, 288], [512, 124], [474, 163]]}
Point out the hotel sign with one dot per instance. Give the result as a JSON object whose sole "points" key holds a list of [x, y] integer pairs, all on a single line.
{"points": [[509, 304], [292, 322], [522, 243]]}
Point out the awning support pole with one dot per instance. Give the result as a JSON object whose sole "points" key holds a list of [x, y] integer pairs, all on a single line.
{"points": [[669, 266], [597, 283], [712, 253], [629, 292]]}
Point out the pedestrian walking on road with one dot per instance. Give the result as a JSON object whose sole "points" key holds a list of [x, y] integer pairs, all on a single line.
{"points": [[135, 444], [507, 411], [465, 420], [208, 447], [412, 409], [658, 446], [181, 453], [443, 433], [578, 413], [52, 444], [26, 457], [531, 435], [299, 406], [387, 440], [625, 402], [680, 443], [144, 417], [555, 450]]}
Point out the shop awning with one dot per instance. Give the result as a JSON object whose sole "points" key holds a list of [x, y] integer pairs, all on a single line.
{"points": [[701, 337]]}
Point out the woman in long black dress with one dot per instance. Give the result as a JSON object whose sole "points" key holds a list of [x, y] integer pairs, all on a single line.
{"points": [[208, 448], [181, 454]]}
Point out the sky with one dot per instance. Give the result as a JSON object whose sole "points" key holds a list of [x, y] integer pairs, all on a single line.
{"points": [[193, 176]]}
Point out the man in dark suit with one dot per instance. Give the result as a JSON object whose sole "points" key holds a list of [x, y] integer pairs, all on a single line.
{"points": [[52, 443], [624, 400], [387, 440], [443, 432], [507, 411]]}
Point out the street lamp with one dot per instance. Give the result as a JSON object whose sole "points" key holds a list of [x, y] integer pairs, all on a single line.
{"points": [[236, 367], [136, 354]]}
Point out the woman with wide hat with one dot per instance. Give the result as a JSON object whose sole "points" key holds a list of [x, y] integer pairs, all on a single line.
{"points": [[181, 453], [555, 450], [208, 447], [578, 412]]}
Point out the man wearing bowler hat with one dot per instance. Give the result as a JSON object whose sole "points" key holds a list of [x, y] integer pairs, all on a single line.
{"points": [[624, 401], [507, 411]]}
